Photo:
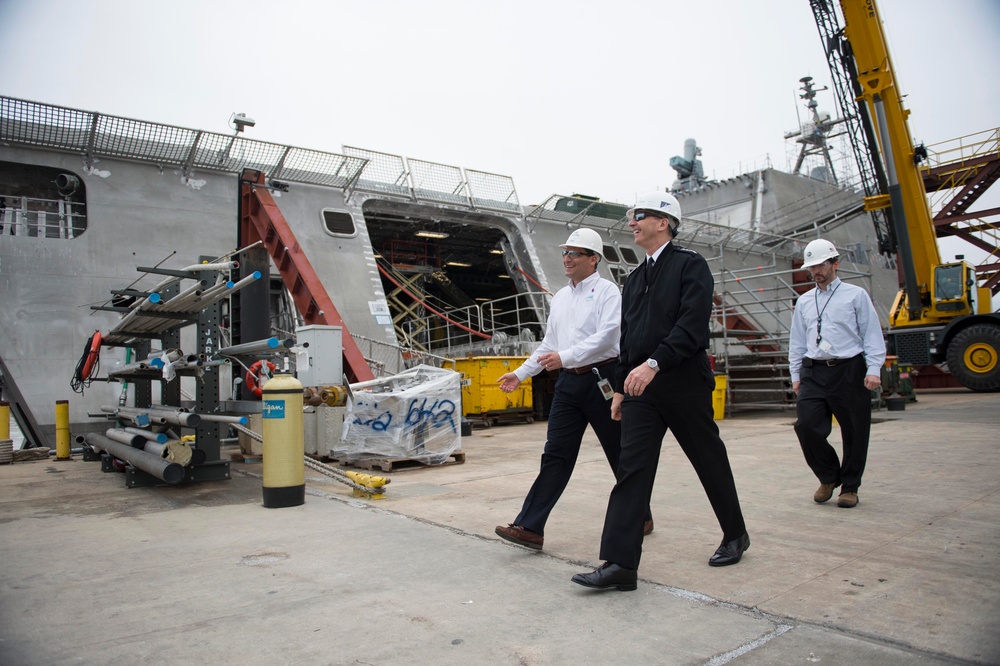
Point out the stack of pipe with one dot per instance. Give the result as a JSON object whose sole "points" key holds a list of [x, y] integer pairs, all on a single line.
{"points": [[164, 470], [190, 301], [161, 416]]}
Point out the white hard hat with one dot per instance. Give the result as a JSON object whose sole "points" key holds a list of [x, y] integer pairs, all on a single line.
{"points": [[586, 238], [661, 202], [817, 252]]}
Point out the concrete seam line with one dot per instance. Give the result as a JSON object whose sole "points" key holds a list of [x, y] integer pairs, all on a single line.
{"points": [[747, 647]]}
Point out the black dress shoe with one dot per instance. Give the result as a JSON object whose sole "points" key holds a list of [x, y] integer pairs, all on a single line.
{"points": [[608, 575], [730, 552]]}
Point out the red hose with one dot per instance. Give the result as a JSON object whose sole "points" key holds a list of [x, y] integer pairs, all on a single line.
{"points": [[439, 314]]}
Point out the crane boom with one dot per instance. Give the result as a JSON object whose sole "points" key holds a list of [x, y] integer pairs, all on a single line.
{"points": [[939, 315]]}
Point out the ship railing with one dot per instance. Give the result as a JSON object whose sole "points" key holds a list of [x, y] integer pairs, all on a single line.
{"points": [[386, 359], [41, 218], [576, 211], [507, 324], [97, 135], [431, 182]]}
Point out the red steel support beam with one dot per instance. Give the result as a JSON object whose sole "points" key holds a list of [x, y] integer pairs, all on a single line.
{"points": [[261, 220]]}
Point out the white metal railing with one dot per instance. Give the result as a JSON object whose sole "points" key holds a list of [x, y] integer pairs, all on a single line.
{"points": [[480, 325], [386, 359], [41, 218], [956, 152]]}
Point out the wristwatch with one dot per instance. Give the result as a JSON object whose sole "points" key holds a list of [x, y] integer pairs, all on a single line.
{"points": [[651, 362]]}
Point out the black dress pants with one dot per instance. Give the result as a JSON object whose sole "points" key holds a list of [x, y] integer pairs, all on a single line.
{"points": [[839, 390], [576, 403], [679, 399]]}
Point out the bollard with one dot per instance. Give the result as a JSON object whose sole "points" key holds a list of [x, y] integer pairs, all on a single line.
{"points": [[4, 420], [284, 449], [62, 430]]}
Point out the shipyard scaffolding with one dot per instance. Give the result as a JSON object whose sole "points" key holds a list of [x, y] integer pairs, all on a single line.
{"points": [[751, 318]]}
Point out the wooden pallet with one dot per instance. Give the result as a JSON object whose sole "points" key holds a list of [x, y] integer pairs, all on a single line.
{"points": [[399, 464]]}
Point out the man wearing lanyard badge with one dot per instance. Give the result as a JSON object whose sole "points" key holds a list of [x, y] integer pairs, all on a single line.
{"points": [[835, 355]]}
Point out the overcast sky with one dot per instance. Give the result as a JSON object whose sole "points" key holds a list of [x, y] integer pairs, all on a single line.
{"points": [[582, 96]]}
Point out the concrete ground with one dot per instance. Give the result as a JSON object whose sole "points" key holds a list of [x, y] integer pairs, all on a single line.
{"points": [[94, 572]]}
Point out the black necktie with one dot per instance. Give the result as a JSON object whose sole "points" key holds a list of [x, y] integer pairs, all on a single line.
{"points": [[649, 272]]}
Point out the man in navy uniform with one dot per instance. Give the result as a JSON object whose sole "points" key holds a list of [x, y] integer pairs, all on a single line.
{"points": [[664, 381]]}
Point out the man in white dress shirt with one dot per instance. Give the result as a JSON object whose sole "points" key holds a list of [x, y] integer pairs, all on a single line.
{"points": [[835, 356], [581, 340]]}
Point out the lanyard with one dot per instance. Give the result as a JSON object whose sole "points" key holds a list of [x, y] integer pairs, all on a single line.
{"points": [[819, 316]]}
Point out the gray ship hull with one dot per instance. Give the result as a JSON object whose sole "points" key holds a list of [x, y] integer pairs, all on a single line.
{"points": [[141, 209]]}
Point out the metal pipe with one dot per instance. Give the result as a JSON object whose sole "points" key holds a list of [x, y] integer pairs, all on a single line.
{"points": [[139, 366], [177, 302], [172, 450], [146, 304], [245, 281], [159, 415], [186, 365], [151, 436], [184, 419], [257, 347], [135, 415], [166, 471], [183, 303], [215, 418], [119, 435], [222, 418], [216, 266]]}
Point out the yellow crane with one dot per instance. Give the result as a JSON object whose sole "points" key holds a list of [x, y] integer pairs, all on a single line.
{"points": [[940, 314]]}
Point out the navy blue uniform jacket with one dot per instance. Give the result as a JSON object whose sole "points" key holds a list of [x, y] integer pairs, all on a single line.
{"points": [[668, 321]]}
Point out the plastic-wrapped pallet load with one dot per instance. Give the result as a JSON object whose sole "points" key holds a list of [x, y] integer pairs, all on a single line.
{"points": [[415, 415]]}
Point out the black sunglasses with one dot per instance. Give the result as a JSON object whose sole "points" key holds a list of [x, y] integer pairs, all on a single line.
{"points": [[576, 254]]}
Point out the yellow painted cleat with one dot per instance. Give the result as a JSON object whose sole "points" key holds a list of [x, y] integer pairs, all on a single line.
{"points": [[367, 480]]}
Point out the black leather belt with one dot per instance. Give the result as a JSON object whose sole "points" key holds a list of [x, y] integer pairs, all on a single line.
{"points": [[810, 362], [584, 369]]}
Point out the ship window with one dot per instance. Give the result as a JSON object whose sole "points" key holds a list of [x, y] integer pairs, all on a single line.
{"points": [[41, 202], [610, 254], [628, 254], [338, 222], [619, 274]]}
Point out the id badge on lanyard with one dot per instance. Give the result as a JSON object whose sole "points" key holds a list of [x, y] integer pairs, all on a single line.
{"points": [[604, 385]]}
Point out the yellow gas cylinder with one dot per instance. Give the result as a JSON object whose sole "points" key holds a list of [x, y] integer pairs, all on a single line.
{"points": [[284, 448]]}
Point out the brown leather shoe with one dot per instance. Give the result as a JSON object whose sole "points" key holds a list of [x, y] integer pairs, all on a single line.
{"points": [[647, 527], [824, 492], [847, 500], [520, 536]]}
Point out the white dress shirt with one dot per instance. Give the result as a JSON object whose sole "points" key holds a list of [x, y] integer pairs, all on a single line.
{"points": [[584, 326]]}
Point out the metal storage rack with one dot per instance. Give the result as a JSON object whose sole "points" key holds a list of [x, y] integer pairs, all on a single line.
{"points": [[160, 314]]}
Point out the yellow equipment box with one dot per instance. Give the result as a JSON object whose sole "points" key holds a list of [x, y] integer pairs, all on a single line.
{"points": [[481, 395], [719, 397]]}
